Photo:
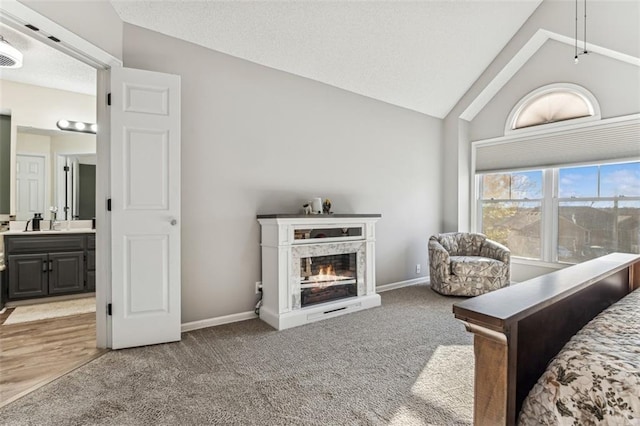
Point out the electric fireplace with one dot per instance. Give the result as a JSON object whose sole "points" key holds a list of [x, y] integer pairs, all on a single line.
{"points": [[326, 278], [316, 267]]}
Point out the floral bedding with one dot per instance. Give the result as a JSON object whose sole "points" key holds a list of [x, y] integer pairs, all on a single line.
{"points": [[595, 379]]}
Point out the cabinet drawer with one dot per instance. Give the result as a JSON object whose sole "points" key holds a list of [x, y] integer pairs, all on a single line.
{"points": [[43, 243], [91, 242]]}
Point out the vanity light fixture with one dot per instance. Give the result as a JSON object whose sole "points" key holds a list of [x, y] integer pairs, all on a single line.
{"points": [[77, 126]]}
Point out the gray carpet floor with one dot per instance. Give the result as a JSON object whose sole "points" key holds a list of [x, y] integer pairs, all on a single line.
{"points": [[408, 362]]}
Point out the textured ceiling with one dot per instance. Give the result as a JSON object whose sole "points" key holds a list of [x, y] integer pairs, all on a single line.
{"points": [[420, 55], [46, 66]]}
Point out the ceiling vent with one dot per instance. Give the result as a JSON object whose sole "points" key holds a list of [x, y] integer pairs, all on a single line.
{"points": [[10, 57]]}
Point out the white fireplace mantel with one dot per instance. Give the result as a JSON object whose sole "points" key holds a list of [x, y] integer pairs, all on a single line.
{"points": [[287, 238]]}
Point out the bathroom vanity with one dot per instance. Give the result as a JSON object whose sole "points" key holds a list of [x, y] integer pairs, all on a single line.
{"points": [[49, 263]]}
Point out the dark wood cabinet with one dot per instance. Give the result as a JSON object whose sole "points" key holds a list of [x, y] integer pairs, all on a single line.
{"points": [[28, 275], [66, 272], [49, 265]]}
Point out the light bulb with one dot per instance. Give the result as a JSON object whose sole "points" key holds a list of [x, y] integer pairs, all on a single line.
{"points": [[63, 124], [575, 60], [94, 128], [80, 125]]}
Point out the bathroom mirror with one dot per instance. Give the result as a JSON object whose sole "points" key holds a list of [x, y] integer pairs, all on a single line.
{"points": [[55, 169], [50, 86]]}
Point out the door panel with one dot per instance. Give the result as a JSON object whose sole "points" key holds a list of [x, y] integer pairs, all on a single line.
{"points": [[146, 188], [145, 217], [147, 250], [30, 185]]}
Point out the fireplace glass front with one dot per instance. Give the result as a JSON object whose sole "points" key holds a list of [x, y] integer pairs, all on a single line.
{"points": [[327, 278]]}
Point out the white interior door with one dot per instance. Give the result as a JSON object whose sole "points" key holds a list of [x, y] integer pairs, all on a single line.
{"points": [[30, 186], [145, 207]]}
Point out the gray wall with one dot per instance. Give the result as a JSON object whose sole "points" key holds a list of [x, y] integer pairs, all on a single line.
{"points": [[258, 140]]}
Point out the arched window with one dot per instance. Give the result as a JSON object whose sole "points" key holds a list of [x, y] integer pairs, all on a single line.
{"points": [[553, 105]]}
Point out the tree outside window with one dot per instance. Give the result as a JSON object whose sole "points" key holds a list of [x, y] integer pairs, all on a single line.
{"points": [[511, 211]]}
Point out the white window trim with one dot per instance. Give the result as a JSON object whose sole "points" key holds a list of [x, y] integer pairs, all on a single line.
{"points": [[580, 91], [534, 262], [549, 223]]}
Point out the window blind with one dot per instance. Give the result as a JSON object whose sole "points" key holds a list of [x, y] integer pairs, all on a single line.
{"points": [[600, 142]]}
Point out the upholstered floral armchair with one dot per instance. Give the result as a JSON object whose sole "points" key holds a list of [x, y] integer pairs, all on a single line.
{"points": [[467, 264]]}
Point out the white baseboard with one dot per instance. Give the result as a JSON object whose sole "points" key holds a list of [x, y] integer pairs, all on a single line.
{"points": [[210, 322], [243, 316], [400, 284]]}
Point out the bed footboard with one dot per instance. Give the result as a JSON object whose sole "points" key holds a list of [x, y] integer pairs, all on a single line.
{"points": [[518, 329]]}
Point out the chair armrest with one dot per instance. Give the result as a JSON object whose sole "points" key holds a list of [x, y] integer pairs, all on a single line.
{"points": [[438, 255], [495, 250]]}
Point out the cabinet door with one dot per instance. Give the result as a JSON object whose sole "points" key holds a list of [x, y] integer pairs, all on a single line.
{"points": [[28, 275], [66, 272]]}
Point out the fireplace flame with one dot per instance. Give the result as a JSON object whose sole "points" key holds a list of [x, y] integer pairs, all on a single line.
{"points": [[327, 276], [326, 272]]}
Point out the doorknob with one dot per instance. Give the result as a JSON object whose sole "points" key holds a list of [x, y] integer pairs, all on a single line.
{"points": [[173, 222]]}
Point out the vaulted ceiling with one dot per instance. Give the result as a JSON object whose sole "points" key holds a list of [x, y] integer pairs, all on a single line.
{"points": [[419, 55]]}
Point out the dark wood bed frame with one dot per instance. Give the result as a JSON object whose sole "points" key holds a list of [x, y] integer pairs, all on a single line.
{"points": [[518, 329]]}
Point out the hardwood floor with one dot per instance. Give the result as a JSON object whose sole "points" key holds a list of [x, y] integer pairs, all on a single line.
{"points": [[35, 353]]}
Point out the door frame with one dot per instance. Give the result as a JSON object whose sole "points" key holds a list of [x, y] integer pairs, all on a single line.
{"points": [[16, 15]]}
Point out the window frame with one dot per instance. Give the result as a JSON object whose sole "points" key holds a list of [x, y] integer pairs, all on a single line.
{"points": [[580, 91], [550, 206]]}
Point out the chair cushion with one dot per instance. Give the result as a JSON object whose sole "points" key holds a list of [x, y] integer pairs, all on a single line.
{"points": [[477, 266]]}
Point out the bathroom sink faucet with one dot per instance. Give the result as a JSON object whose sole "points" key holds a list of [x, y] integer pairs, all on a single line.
{"points": [[53, 223]]}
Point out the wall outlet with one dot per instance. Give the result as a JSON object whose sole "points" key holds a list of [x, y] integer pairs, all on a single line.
{"points": [[418, 268], [258, 287]]}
